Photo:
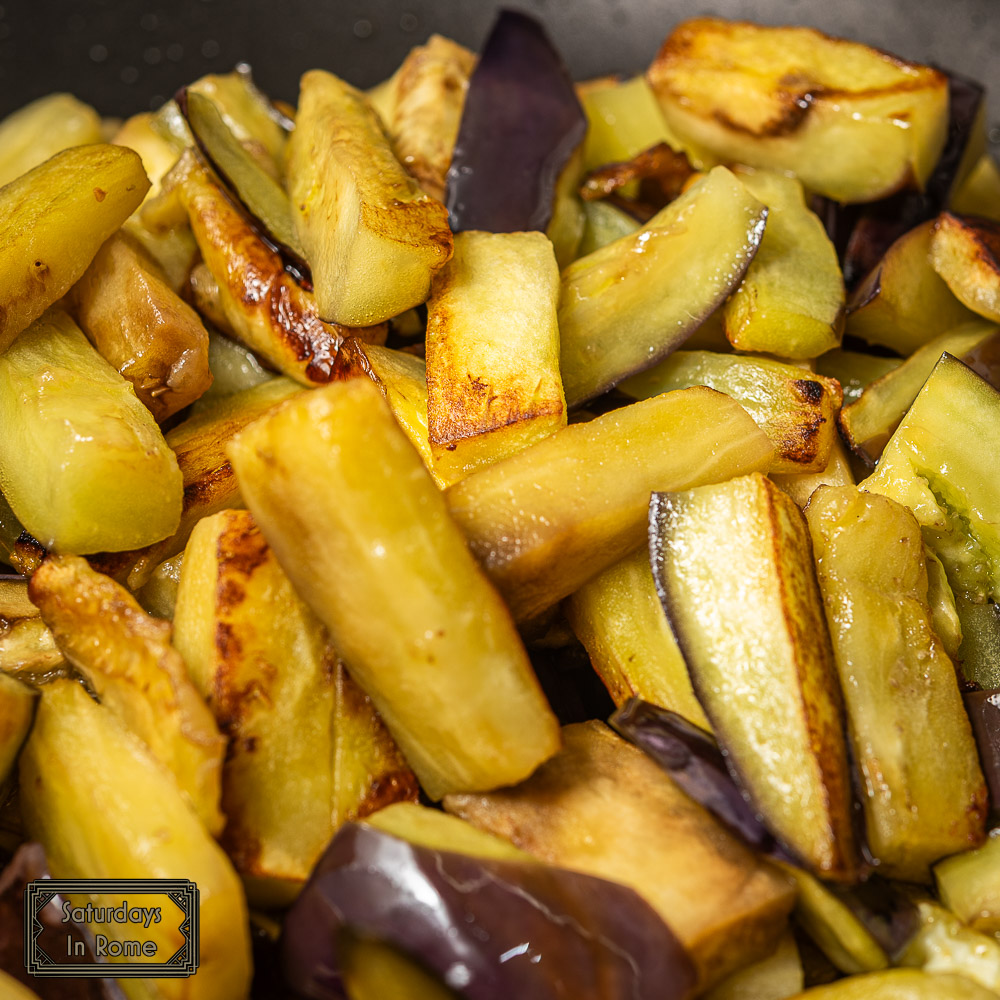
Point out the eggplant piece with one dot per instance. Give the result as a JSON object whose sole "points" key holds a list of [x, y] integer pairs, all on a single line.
{"points": [[372, 237], [371, 537], [774, 978], [17, 710], [659, 172], [969, 883], [943, 944], [263, 663], [800, 486], [791, 300], [158, 595], [55, 219], [43, 128], [209, 481], [103, 808], [979, 653], [851, 122], [260, 194], [966, 253], [142, 328], [983, 708], [980, 194], [603, 224], [870, 421], [619, 619], [903, 303], [748, 617], [854, 370], [234, 368], [82, 462], [933, 464], [547, 519], [28, 651], [901, 984], [692, 758], [464, 917], [797, 412], [421, 108], [520, 125], [601, 806], [493, 380], [924, 794], [629, 304], [371, 970], [126, 657], [158, 155]]}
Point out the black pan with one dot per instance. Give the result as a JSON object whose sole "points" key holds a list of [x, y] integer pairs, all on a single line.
{"points": [[125, 56]]}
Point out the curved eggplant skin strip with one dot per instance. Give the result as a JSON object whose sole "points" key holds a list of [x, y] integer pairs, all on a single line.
{"points": [[488, 928], [521, 123]]}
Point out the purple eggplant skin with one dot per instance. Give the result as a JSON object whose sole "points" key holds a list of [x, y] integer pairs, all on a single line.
{"points": [[863, 233], [693, 759], [984, 714], [521, 123], [488, 929]]}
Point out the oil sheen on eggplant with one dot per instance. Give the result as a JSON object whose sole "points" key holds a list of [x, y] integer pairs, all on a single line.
{"points": [[521, 123], [488, 928]]}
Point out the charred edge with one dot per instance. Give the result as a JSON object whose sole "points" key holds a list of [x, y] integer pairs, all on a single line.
{"points": [[809, 390], [660, 163], [794, 110], [476, 409], [27, 554], [397, 786], [867, 293], [240, 549], [212, 486]]}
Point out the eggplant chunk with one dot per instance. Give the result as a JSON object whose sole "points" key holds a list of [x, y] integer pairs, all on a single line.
{"points": [[626, 306], [776, 977], [145, 331], [923, 791], [734, 570], [903, 302], [797, 411], [372, 237], [969, 885], [979, 194], [54, 219], [423, 109], [126, 657], [854, 370], [264, 306], [362, 531], [82, 462], [791, 300], [493, 382], [602, 807], [547, 519], [28, 651], [158, 154], [619, 619], [800, 485], [869, 422], [17, 711], [102, 807], [264, 664], [900, 984], [43, 128], [209, 481], [934, 465], [851, 122], [966, 253]]}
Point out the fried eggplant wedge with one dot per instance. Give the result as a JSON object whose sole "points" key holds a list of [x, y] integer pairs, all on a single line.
{"points": [[82, 462], [54, 219], [17, 711], [102, 807], [629, 304], [924, 795], [373, 238], [547, 519], [800, 485], [603, 807], [264, 664], [966, 253], [145, 331], [791, 300], [126, 657], [421, 107], [934, 465], [903, 302], [619, 619], [734, 570], [348, 508], [969, 885], [851, 122], [493, 381], [796, 410], [265, 307]]}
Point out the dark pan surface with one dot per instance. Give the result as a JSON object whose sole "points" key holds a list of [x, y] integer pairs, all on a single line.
{"points": [[125, 56]]}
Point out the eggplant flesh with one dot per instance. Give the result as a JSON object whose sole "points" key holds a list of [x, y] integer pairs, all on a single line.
{"points": [[486, 927]]}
